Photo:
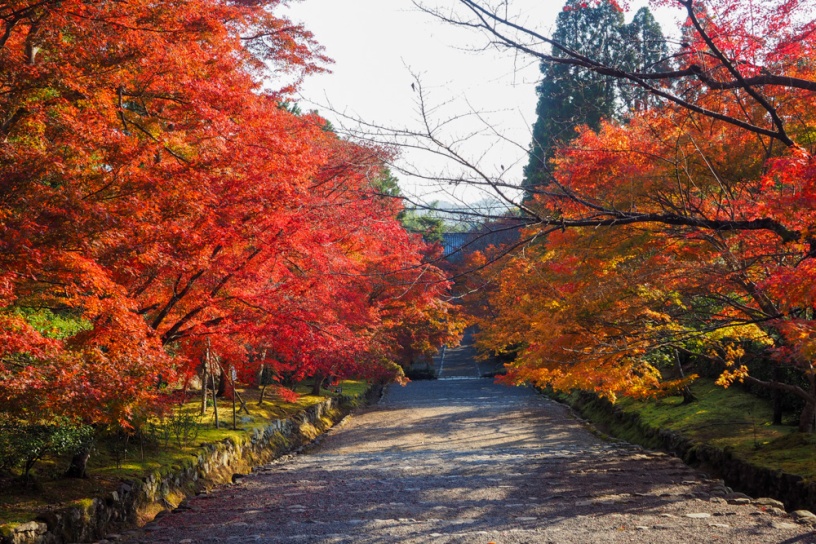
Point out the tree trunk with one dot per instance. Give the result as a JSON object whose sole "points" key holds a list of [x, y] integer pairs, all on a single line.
{"points": [[264, 380], [215, 398], [204, 387], [318, 382], [29, 464], [688, 396], [79, 464], [807, 419], [184, 390], [243, 403], [777, 397], [223, 389], [234, 392]]}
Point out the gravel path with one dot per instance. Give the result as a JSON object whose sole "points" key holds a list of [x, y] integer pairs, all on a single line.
{"points": [[464, 460]]}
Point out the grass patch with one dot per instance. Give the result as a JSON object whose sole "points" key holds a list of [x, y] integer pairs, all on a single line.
{"points": [[109, 466], [726, 418], [354, 388], [20, 504], [722, 417]]}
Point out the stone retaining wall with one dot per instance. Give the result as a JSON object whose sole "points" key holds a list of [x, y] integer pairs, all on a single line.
{"points": [[140, 501], [793, 490]]}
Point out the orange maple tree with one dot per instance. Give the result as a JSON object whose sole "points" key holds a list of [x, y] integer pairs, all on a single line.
{"points": [[689, 221]]}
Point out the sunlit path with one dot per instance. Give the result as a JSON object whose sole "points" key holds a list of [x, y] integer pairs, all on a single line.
{"points": [[465, 460], [461, 363]]}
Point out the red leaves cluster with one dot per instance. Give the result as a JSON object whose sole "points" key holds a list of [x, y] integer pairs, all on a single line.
{"points": [[157, 194]]}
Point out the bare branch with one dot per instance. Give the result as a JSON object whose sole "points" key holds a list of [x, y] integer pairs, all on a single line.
{"points": [[493, 24]]}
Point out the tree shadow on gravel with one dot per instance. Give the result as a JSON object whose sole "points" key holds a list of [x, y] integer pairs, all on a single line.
{"points": [[459, 460]]}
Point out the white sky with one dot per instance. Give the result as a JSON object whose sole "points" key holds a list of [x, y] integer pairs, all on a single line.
{"points": [[378, 44]]}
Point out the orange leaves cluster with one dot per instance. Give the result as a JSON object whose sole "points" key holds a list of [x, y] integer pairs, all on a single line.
{"points": [[686, 227], [573, 311]]}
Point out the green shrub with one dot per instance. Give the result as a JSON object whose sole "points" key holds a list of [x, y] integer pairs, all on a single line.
{"points": [[23, 444], [184, 427]]}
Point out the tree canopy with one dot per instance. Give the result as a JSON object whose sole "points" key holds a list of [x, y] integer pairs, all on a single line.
{"points": [[683, 228], [161, 196]]}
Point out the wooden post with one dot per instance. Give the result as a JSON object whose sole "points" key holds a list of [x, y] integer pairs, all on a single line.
{"points": [[214, 387], [234, 395], [204, 385]]}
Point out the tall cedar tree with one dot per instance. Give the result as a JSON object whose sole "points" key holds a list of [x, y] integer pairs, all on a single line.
{"points": [[569, 96]]}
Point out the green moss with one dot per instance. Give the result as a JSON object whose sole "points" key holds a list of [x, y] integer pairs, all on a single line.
{"points": [[85, 507], [279, 440], [354, 388], [17, 508], [730, 419], [19, 504], [721, 417], [793, 453], [84, 504], [173, 498]]}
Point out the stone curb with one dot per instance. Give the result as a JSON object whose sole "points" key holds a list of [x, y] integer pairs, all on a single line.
{"points": [[792, 490], [138, 502]]}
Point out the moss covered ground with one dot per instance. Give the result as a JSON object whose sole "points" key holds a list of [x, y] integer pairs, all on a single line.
{"points": [[726, 418], [114, 461]]}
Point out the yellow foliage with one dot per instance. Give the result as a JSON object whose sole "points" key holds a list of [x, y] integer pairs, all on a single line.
{"points": [[728, 377], [748, 331]]}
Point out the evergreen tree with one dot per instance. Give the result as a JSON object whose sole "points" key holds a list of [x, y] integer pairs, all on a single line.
{"points": [[643, 49], [569, 96]]}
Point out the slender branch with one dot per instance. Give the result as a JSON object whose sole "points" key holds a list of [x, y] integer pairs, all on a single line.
{"points": [[794, 389], [489, 21], [777, 121], [630, 218], [177, 296]]}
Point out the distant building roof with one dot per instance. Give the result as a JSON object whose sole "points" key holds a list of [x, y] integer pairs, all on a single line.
{"points": [[456, 244], [453, 242]]}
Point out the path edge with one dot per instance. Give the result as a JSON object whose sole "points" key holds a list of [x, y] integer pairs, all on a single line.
{"points": [[607, 420], [136, 503]]}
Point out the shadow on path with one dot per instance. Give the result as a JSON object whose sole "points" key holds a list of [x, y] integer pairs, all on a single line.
{"points": [[467, 461]]}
